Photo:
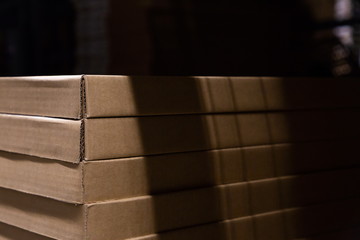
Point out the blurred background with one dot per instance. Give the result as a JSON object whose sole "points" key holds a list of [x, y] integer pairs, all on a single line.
{"points": [[180, 37]]}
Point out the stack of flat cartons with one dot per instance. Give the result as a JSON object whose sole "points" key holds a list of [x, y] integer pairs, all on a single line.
{"points": [[170, 158]]}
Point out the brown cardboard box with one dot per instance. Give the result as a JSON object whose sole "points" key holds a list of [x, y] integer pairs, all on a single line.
{"points": [[241, 228], [109, 96], [106, 138], [149, 214], [118, 219], [8, 232], [40, 136], [91, 181], [235, 229], [57, 96], [334, 219], [226, 230], [267, 226]]}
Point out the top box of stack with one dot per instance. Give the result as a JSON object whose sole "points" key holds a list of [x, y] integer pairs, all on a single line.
{"points": [[93, 96]]}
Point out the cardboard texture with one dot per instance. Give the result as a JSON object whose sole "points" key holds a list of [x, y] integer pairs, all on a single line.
{"points": [[108, 220], [53, 179], [151, 135], [39, 136], [170, 158], [132, 217], [89, 181], [106, 138], [293, 223], [236, 229], [109, 96], [241, 228], [55, 96], [8, 232]]}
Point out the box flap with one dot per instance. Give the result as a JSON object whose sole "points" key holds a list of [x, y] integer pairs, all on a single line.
{"points": [[45, 216], [46, 137], [107, 138], [56, 96], [39, 176]]}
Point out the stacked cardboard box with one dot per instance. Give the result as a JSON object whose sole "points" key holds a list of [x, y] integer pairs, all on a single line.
{"points": [[117, 157]]}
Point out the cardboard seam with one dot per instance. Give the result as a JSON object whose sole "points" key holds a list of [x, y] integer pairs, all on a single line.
{"points": [[82, 117], [82, 141], [82, 97]]}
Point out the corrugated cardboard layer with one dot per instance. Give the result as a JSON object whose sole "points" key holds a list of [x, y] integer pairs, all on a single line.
{"points": [[333, 219], [124, 137], [8, 232], [56, 96], [130, 177], [41, 215], [109, 96], [132, 217], [53, 179], [131, 96], [108, 220], [107, 138], [40, 136], [240, 228]]}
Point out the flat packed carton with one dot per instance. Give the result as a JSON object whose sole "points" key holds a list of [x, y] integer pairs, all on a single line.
{"points": [[8, 232], [106, 138], [132, 217], [235, 229], [91, 181], [92, 96], [140, 217]]}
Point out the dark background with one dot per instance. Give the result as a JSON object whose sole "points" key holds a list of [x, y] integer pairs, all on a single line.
{"points": [[180, 37]]}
